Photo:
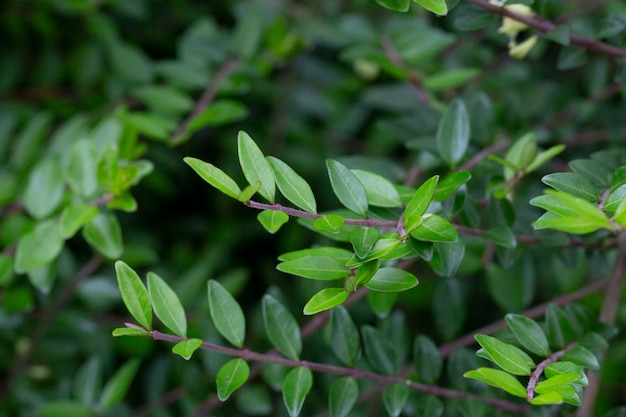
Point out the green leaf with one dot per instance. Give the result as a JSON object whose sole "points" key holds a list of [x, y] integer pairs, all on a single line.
{"points": [[555, 382], [503, 236], [152, 125], [255, 167], [186, 348], [226, 313], [366, 271], [566, 367], [363, 239], [325, 299], [296, 386], [512, 289], [64, 408], [570, 224], [331, 251], [232, 375], [272, 220], [428, 406], [550, 398], [447, 258], [394, 398], [559, 328], [167, 305], [544, 157], [129, 331], [331, 223], [163, 99], [104, 233], [45, 188], [134, 294], [38, 247], [43, 277], [499, 379], [504, 355], [381, 248], [347, 187], [427, 359], [87, 384], [74, 217], [221, 112], [453, 133], [346, 343], [560, 35], [395, 5], [436, 6], [435, 228], [214, 176], [125, 202], [381, 303], [571, 183], [421, 199], [581, 356], [521, 155], [281, 327], [248, 192], [82, 168], [614, 200], [448, 307], [249, 31], [379, 350], [450, 79], [380, 191], [116, 388], [529, 334], [293, 186], [391, 279], [450, 184], [342, 395], [315, 267]]}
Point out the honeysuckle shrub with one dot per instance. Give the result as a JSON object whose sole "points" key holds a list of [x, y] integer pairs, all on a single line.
{"points": [[312, 208]]}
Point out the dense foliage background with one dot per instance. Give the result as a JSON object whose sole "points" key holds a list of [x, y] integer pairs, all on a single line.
{"points": [[102, 100]]}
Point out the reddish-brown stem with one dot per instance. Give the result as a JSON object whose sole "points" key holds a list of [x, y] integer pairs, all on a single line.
{"points": [[534, 377]]}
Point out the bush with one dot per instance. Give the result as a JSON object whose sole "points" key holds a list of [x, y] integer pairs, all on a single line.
{"points": [[439, 192]]}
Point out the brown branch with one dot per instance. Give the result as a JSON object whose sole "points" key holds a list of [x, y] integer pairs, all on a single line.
{"points": [[546, 26], [413, 78], [206, 98]]}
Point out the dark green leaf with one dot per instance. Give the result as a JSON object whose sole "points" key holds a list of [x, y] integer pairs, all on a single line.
{"points": [[134, 294], [64, 408], [293, 186], [396, 5], [214, 176], [571, 57], [559, 34], [296, 386], [581, 356], [447, 258], [315, 267], [436, 6], [186, 348], [163, 99], [232, 375], [394, 398], [453, 133], [381, 302], [116, 388], [428, 406], [45, 188], [448, 307], [379, 350], [281, 327], [571, 183], [512, 288], [325, 299], [504, 355], [503, 236], [499, 379], [88, 381], [38, 247], [104, 233], [219, 113], [255, 166], [427, 359], [391, 279], [166, 305], [342, 396], [226, 313], [344, 336], [272, 220], [347, 187], [529, 334]]}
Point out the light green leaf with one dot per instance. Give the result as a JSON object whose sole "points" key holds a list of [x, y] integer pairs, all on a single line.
{"points": [[450, 184], [74, 217], [214, 176], [342, 396], [281, 327], [436, 6], [104, 233], [394, 398], [45, 188], [325, 299], [450, 79], [116, 388], [232, 375], [499, 379], [272, 220], [555, 383], [381, 248], [421, 200], [331, 223], [129, 331], [64, 408], [362, 240], [315, 267], [255, 167], [134, 294], [186, 348], [248, 192], [150, 124], [550, 398], [569, 224], [520, 155], [391, 279], [163, 99], [544, 157], [293, 186], [453, 133], [296, 386], [346, 342], [226, 313], [366, 271], [529, 334], [380, 191], [347, 187], [167, 305], [331, 251], [566, 367], [504, 355], [38, 247], [571, 183], [435, 228]]}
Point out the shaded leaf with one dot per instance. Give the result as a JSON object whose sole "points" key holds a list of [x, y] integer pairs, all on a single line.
{"points": [[379, 350], [116, 388], [426, 359], [453, 133], [436, 6], [45, 188], [394, 398], [64, 408], [38, 247], [281, 327], [346, 343]]}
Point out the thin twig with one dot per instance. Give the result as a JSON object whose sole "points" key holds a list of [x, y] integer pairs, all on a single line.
{"points": [[484, 153]]}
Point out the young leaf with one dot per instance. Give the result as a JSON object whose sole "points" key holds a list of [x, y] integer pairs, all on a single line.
{"points": [[186, 348], [45, 188], [232, 375], [391, 279], [347, 187], [342, 396], [550, 398], [292, 185], [248, 192], [504, 355], [499, 379], [296, 386], [529, 334], [394, 398], [453, 133], [379, 350], [214, 176], [331, 223], [555, 382], [129, 331], [166, 305], [435, 229], [362, 240], [134, 294], [436, 6], [421, 199], [566, 367], [346, 343], [380, 191], [74, 217], [450, 184], [226, 313], [115, 389], [281, 327], [38, 247], [315, 267], [104, 233], [325, 299], [427, 359], [255, 167], [272, 220]]}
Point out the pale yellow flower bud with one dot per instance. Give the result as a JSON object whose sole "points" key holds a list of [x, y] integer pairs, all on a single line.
{"points": [[519, 51], [512, 27]]}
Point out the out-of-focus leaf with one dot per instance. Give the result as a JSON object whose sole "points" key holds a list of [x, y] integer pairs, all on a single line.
{"points": [[453, 133], [116, 388], [395, 5], [104, 233], [450, 79], [342, 396], [38, 247], [64, 408], [448, 307], [74, 217], [346, 343], [45, 188], [379, 350], [394, 398], [220, 112], [427, 359], [281, 327]]}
